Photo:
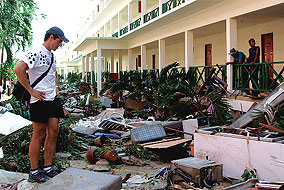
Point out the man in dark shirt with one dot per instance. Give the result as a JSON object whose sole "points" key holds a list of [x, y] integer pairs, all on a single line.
{"points": [[252, 59], [239, 58]]}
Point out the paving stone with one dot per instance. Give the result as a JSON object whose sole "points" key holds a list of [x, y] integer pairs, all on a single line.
{"points": [[77, 179]]}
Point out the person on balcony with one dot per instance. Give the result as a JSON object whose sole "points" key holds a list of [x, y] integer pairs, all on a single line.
{"points": [[239, 58], [252, 59]]}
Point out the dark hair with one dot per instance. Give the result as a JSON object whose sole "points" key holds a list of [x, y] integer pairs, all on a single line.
{"points": [[251, 40], [48, 34]]}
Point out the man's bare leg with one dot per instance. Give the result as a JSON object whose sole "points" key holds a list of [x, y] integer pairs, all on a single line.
{"points": [[39, 131], [52, 130]]}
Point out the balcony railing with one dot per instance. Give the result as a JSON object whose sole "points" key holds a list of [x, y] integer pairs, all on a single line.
{"points": [[135, 24], [124, 30], [202, 72], [261, 77], [171, 4], [151, 15], [115, 34]]}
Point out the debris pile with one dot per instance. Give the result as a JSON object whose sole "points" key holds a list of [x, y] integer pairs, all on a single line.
{"points": [[149, 129]]}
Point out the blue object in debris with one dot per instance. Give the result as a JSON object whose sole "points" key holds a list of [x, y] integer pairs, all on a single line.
{"points": [[98, 134], [148, 133]]}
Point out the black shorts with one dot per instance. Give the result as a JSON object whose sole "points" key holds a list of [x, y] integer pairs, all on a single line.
{"points": [[41, 111]]}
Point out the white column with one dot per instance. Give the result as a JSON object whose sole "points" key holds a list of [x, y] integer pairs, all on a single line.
{"points": [[129, 15], [88, 63], [119, 23], [83, 66], [99, 69], [162, 54], [119, 61], [232, 39], [102, 4], [143, 57], [105, 31], [110, 27], [143, 10], [112, 62], [65, 70], [189, 54], [92, 65], [161, 7], [130, 64]]}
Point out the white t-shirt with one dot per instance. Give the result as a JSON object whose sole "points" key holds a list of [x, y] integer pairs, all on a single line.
{"points": [[38, 61]]}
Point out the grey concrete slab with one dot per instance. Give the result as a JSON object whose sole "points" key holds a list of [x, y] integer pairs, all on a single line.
{"points": [[78, 179]]}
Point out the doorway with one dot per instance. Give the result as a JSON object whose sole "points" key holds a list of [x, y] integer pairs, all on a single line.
{"points": [[208, 54], [267, 54], [208, 58], [153, 61]]}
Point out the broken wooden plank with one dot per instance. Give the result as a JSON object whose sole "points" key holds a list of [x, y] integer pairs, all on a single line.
{"points": [[167, 144], [160, 141]]}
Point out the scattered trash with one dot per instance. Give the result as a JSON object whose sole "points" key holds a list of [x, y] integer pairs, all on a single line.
{"points": [[98, 134], [85, 127], [148, 130]]}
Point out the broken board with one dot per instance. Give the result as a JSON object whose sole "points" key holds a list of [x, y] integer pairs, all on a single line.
{"points": [[165, 143]]}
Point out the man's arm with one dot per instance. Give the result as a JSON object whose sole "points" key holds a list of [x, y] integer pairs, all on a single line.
{"points": [[57, 84], [20, 71]]}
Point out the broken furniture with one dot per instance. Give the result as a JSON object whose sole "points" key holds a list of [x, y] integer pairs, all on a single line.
{"points": [[276, 97], [156, 134], [78, 179], [238, 147], [203, 173]]}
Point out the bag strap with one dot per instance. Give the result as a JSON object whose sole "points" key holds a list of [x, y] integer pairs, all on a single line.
{"points": [[44, 74]]}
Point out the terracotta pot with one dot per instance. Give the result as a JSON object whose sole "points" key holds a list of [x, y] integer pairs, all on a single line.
{"points": [[100, 141], [110, 155], [102, 163], [90, 155], [191, 149]]}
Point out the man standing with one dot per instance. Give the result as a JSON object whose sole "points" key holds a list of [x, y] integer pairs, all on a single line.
{"points": [[44, 109], [254, 54], [239, 58]]}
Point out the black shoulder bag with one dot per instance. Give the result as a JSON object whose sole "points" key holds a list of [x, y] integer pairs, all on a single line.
{"points": [[20, 91]]}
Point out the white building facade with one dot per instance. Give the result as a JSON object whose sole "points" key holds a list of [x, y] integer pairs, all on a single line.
{"points": [[122, 35]]}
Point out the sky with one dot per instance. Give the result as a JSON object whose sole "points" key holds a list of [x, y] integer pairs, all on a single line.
{"points": [[65, 14]]}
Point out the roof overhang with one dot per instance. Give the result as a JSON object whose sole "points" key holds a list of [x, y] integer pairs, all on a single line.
{"points": [[90, 44]]}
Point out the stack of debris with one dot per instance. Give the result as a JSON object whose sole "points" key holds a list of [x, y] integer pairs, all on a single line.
{"points": [[189, 153]]}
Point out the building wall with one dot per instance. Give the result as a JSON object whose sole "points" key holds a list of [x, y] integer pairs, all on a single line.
{"points": [[196, 20], [218, 42], [175, 53], [149, 61]]}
